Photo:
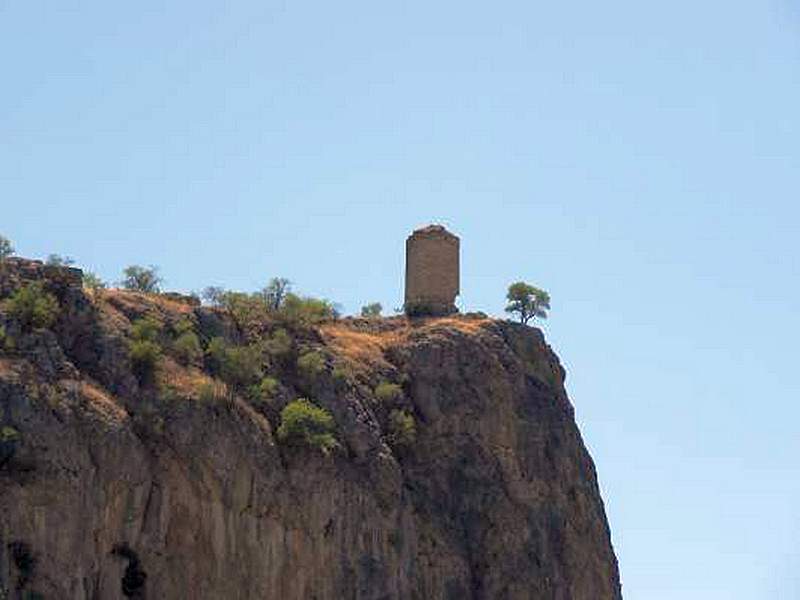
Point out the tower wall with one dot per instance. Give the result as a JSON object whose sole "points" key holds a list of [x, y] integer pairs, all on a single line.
{"points": [[432, 271]]}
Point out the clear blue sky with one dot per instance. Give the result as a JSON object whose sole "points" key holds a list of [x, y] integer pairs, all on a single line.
{"points": [[639, 160]]}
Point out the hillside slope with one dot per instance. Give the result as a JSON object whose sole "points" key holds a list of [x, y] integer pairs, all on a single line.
{"points": [[110, 488]]}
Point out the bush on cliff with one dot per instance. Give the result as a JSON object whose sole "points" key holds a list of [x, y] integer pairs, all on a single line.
{"points": [[279, 343], [144, 349], [238, 366], [56, 260], [372, 311], [32, 307], [187, 347], [388, 392], [247, 310], [402, 428], [304, 423], [7, 343], [265, 390], [311, 364], [304, 311], [10, 438], [142, 279], [93, 283], [145, 358]]}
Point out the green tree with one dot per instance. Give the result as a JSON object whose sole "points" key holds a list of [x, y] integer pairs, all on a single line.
{"points": [[527, 301], [142, 279], [305, 423], [276, 291], [56, 260], [213, 295], [6, 249], [92, 282], [249, 311], [371, 311], [32, 306]]}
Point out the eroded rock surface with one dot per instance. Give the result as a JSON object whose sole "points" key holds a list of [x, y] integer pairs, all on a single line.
{"points": [[111, 490]]}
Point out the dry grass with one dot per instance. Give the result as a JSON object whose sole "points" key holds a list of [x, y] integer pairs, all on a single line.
{"points": [[184, 380], [359, 346], [131, 302], [102, 402], [9, 367], [366, 344]]}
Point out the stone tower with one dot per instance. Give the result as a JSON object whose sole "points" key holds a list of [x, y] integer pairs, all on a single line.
{"points": [[432, 271]]}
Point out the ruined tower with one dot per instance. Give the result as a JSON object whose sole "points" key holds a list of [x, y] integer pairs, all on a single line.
{"points": [[432, 271]]}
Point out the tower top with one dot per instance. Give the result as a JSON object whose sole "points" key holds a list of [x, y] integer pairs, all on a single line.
{"points": [[433, 230]]}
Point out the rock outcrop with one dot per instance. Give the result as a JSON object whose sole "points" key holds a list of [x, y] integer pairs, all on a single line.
{"points": [[113, 489]]}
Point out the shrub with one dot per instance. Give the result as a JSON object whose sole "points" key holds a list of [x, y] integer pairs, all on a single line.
{"points": [[187, 348], [6, 341], [402, 428], [9, 434], [215, 353], [10, 438], [144, 349], [32, 307], [93, 282], [56, 260], [341, 375], [279, 343], [6, 249], [142, 279], [146, 329], [388, 392], [264, 390], [184, 325], [243, 365], [247, 310], [305, 310], [145, 357], [372, 310], [239, 366], [304, 423], [311, 364]]}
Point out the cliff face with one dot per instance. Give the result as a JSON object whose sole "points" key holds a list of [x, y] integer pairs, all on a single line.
{"points": [[109, 489]]}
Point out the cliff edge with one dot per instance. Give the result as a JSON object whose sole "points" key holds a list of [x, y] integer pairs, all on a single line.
{"points": [[181, 487]]}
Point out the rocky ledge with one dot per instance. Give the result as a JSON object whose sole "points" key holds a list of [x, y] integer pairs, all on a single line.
{"points": [[112, 487]]}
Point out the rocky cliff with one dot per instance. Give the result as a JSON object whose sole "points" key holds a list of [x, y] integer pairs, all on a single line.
{"points": [[113, 487]]}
